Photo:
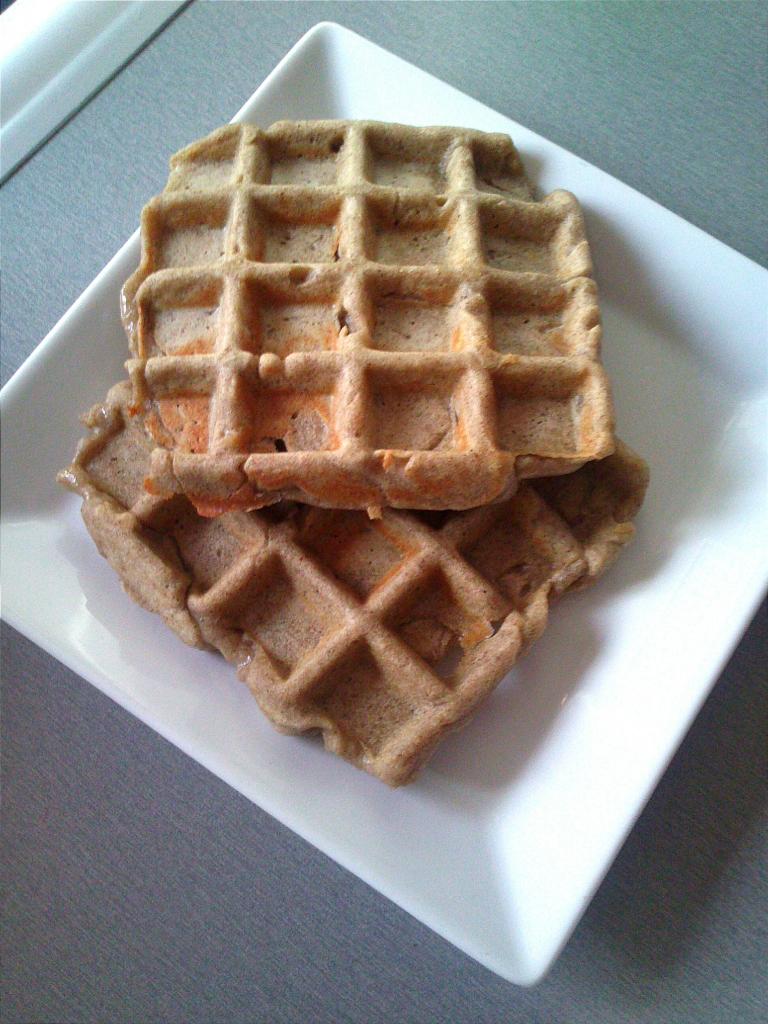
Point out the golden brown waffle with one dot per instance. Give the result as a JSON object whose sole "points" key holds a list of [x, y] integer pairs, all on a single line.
{"points": [[355, 314], [382, 634]]}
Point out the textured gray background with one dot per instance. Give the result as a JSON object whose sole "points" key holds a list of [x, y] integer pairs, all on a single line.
{"points": [[138, 887]]}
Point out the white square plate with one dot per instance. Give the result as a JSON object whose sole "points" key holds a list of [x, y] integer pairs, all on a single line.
{"points": [[502, 841]]}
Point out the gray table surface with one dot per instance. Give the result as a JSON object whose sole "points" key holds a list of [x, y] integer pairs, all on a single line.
{"points": [[138, 887]]}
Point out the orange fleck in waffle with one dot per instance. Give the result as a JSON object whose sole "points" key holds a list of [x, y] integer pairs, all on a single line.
{"points": [[383, 634], [355, 314]]}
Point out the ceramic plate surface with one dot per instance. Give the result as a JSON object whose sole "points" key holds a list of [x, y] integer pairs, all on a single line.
{"points": [[502, 841]]}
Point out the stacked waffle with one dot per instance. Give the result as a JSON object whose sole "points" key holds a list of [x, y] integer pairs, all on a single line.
{"points": [[366, 437]]}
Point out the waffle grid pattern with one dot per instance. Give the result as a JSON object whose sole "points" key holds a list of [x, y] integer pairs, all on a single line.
{"points": [[355, 314], [383, 634]]}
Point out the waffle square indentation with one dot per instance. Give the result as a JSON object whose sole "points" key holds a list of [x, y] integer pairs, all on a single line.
{"points": [[408, 417], [191, 234], [529, 333], [286, 327], [435, 624], [539, 411], [411, 245], [404, 163], [362, 700], [517, 239], [560, 320], [184, 418], [119, 469], [184, 330], [283, 420], [410, 234], [206, 546], [506, 553], [499, 172], [213, 167], [285, 232], [287, 617], [295, 242], [406, 323], [359, 551], [308, 159]]}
